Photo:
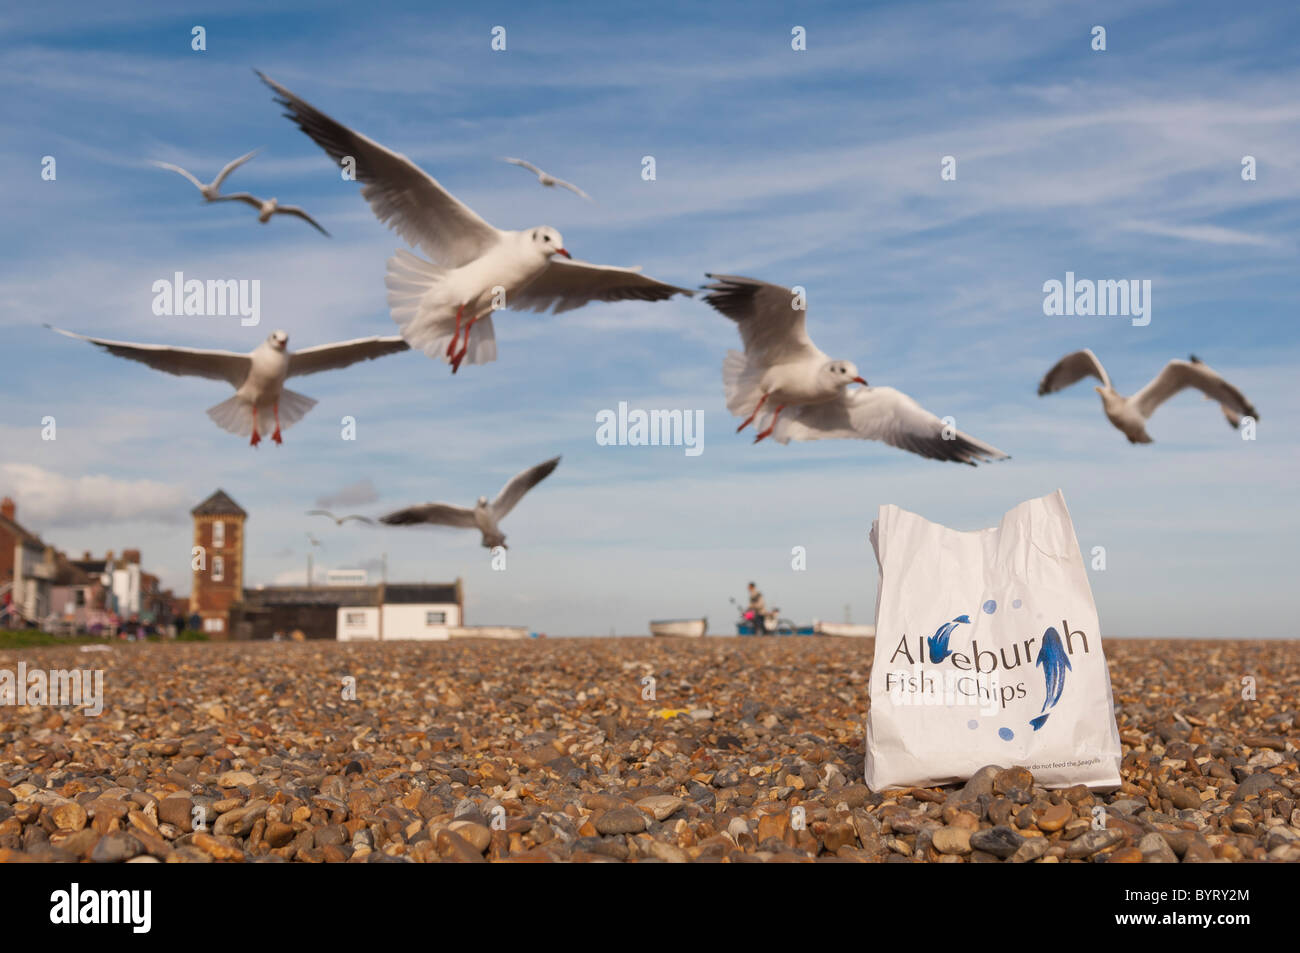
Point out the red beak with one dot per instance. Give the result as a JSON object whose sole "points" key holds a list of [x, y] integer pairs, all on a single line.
{"points": [[561, 251], [859, 380]]}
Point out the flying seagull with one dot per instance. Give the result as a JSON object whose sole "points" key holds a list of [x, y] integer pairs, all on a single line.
{"points": [[212, 191], [261, 399], [810, 391], [268, 207], [485, 516], [340, 520], [444, 306], [546, 178], [1130, 414]]}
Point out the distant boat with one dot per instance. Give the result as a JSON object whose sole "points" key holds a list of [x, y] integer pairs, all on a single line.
{"points": [[849, 629], [488, 632], [682, 628]]}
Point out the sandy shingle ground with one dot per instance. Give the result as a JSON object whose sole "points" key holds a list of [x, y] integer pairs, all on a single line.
{"points": [[546, 750]]}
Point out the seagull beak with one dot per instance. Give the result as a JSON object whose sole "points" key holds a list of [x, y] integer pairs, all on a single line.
{"points": [[859, 380], [561, 251]]}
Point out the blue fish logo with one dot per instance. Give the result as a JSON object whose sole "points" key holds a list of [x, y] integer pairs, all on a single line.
{"points": [[1055, 662], [938, 643]]}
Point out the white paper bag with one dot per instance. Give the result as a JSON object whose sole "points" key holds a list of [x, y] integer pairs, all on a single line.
{"points": [[988, 651]]}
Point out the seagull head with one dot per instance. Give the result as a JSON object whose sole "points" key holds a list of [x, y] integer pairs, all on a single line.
{"points": [[549, 241], [482, 502], [278, 340], [843, 373]]}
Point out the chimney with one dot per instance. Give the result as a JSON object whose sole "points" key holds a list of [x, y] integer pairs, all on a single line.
{"points": [[85, 555], [131, 556], [8, 508]]}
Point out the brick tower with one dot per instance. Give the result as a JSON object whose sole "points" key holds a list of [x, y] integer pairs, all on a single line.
{"points": [[218, 563]]}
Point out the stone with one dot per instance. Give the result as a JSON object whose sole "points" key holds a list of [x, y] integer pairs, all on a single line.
{"points": [[1031, 850], [952, 840], [661, 806], [1156, 850], [115, 848], [623, 820], [998, 841], [1090, 842], [1054, 817], [69, 816]]}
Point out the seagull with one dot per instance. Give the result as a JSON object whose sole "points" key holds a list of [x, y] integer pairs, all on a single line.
{"points": [[1130, 414], [212, 191], [444, 306], [313, 540], [268, 207], [258, 377], [340, 520], [782, 365], [485, 516], [547, 179]]}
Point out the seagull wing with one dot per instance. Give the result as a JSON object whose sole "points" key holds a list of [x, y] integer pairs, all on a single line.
{"points": [[231, 167], [520, 484], [227, 366], [241, 197], [574, 189], [358, 518], [442, 514], [400, 193], [295, 210], [320, 513], [331, 357], [525, 164], [1178, 375], [885, 414], [176, 168], [1071, 369], [568, 283], [772, 329]]}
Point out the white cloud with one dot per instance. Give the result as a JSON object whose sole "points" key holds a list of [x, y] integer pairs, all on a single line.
{"points": [[46, 498]]}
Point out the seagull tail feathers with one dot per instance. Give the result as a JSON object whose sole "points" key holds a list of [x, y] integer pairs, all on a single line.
{"points": [[740, 382], [426, 317], [233, 416], [293, 407]]}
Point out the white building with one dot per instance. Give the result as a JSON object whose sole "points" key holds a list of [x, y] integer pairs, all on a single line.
{"points": [[403, 611]]}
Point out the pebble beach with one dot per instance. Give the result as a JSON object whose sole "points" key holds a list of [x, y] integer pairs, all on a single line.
{"points": [[547, 750]]}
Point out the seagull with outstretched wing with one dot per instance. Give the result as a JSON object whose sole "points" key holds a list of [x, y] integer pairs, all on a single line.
{"points": [[212, 190], [784, 380], [1130, 414], [340, 520], [444, 306], [546, 178], [484, 516], [261, 400], [268, 207]]}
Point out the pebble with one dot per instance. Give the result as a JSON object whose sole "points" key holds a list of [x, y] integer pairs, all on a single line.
{"points": [[661, 806], [1090, 842], [621, 820], [952, 840], [999, 841]]}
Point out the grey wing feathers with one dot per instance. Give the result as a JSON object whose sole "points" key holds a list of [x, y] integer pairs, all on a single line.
{"points": [[520, 484], [1071, 369], [441, 514], [225, 366], [330, 357], [568, 284], [401, 194]]}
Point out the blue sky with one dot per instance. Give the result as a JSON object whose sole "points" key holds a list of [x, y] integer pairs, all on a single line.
{"points": [[818, 168]]}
